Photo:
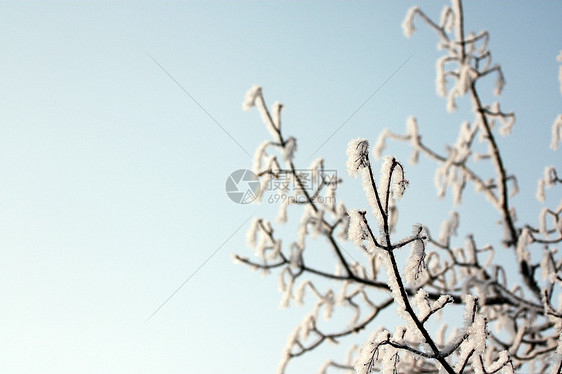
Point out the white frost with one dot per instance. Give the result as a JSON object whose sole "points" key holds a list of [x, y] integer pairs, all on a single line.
{"points": [[357, 151], [356, 231], [384, 187], [447, 20], [259, 154], [525, 238], [540, 191], [559, 59], [556, 132], [251, 234], [276, 109], [449, 228], [408, 22], [415, 259], [289, 149], [380, 145], [440, 77], [250, 98]]}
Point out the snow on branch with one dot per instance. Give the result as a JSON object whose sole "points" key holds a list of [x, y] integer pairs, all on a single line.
{"points": [[511, 300]]}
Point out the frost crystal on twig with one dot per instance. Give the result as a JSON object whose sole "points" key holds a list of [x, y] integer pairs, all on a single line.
{"points": [[512, 321]]}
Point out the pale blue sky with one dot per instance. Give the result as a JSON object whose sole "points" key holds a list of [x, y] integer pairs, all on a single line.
{"points": [[112, 189]]}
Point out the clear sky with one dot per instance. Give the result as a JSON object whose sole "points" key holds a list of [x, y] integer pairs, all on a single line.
{"points": [[112, 177]]}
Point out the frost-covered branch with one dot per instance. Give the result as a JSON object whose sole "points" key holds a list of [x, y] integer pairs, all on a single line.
{"points": [[512, 320]]}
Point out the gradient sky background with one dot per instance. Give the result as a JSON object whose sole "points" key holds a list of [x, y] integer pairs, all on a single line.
{"points": [[112, 189]]}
